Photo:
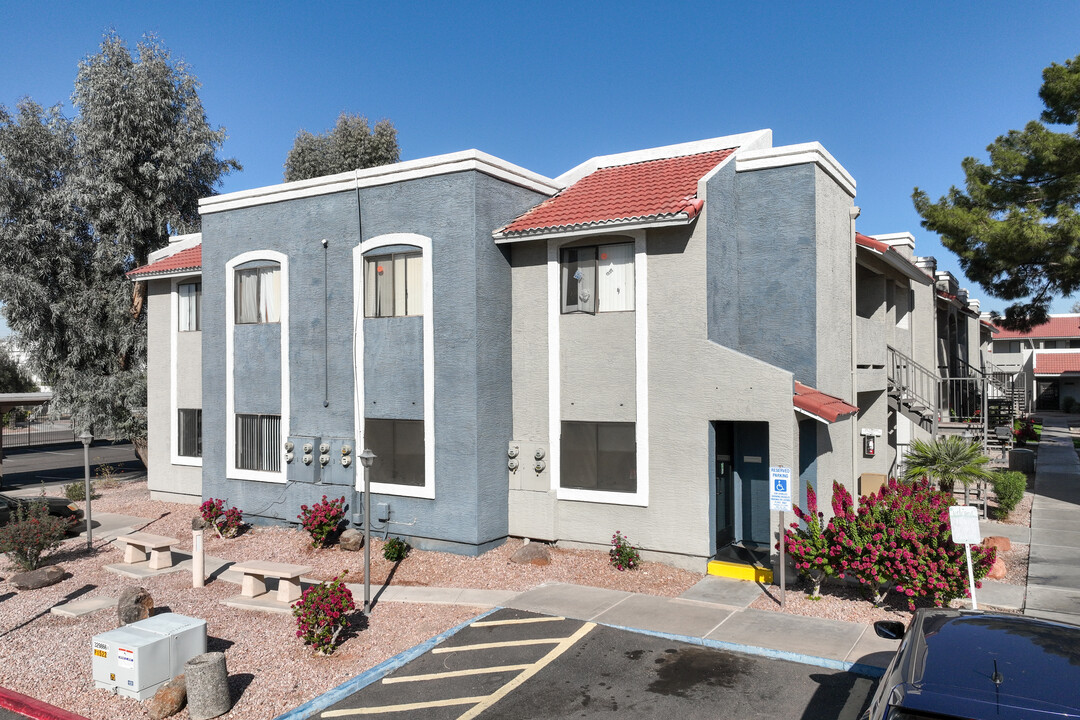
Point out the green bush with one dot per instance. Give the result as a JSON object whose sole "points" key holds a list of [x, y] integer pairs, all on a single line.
{"points": [[76, 491], [1069, 405], [623, 555], [395, 549], [1009, 488], [32, 534]]}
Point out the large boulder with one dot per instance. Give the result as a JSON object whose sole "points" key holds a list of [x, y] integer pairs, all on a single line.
{"points": [[533, 553], [42, 577], [169, 699], [351, 540], [997, 570], [1001, 543], [135, 604]]}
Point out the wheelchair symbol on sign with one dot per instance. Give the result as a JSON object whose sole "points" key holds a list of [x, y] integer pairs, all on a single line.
{"points": [[781, 485]]}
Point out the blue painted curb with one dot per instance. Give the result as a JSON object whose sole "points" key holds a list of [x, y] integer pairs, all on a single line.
{"points": [[828, 663], [375, 674]]}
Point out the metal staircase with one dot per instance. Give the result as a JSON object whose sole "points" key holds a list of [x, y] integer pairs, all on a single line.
{"points": [[913, 390]]}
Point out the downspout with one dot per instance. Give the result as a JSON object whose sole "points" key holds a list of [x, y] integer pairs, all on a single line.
{"points": [[854, 213]]}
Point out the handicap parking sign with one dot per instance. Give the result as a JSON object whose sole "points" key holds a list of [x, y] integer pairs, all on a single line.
{"points": [[780, 489]]}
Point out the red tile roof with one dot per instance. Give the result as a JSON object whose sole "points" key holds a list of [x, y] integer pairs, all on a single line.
{"points": [[1066, 326], [651, 190], [872, 243], [892, 257], [183, 261], [821, 406], [1056, 363]]}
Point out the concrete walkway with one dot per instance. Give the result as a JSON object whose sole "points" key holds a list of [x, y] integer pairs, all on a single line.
{"points": [[1053, 589]]}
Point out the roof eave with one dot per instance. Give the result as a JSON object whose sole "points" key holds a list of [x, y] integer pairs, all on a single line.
{"points": [[188, 272], [596, 228]]}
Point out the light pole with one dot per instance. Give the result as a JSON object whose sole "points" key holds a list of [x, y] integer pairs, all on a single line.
{"points": [[366, 459], [86, 438]]}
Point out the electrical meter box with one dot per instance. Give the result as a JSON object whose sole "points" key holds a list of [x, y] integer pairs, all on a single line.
{"points": [[136, 659]]}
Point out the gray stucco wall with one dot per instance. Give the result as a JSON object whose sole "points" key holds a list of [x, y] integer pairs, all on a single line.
{"points": [[471, 281], [166, 481], [763, 266]]}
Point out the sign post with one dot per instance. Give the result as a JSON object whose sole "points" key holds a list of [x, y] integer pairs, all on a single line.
{"points": [[964, 522], [780, 500]]}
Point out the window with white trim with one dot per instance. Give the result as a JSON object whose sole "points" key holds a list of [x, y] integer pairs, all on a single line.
{"points": [[597, 278], [599, 456], [393, 285], [190, 306], [258, 442], [189, 432], [258, 293], [399, 449]]}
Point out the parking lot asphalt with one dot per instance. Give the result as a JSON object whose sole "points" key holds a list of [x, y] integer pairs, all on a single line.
{"points": [[519, 664], [54, 465]]}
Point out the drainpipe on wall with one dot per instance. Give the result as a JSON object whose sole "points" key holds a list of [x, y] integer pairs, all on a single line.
{"points": [[854, 213]]}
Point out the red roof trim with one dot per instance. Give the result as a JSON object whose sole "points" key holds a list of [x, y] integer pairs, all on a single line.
{"points": [[652, 190], [1056, 363], [187, 260], [820, 405], [1067, 326], [872, 243]]}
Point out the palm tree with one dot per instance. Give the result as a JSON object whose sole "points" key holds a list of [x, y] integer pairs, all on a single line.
{"points": [[948, 459]]}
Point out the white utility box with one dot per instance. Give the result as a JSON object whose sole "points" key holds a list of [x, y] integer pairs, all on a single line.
{"points": [[136, 659]]}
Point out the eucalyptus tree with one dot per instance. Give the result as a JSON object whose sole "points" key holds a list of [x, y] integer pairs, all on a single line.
{"points": [[85, 199], [351, 145]]}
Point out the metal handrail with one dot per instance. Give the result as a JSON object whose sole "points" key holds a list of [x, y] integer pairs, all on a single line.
{"points": [[916, 384]]}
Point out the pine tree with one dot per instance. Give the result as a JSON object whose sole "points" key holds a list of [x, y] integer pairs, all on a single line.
{"points": [[1015, 226], [351, 145], [83, 201]]}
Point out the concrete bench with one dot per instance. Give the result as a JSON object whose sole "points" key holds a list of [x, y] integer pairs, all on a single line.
{"points": [[137, 544], [256, 572]]}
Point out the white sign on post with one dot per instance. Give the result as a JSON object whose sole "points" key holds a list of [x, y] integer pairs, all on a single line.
{"points": [[964, 522], [780, 489]]}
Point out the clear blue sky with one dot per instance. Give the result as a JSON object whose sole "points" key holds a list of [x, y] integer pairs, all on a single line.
{"points": [[898, 92]]}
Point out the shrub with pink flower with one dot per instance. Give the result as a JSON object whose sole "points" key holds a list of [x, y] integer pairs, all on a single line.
{"points": [[898, 539], [225, 521], [808, 545], [623, 555], [322, 520], [322, 613]]}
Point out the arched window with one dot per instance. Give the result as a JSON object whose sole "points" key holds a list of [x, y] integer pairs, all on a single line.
{"points": [[258, 292]]}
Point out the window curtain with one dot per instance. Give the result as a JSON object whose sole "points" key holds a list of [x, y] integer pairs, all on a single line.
{"points": [[247, 296], [615, 284], [189, 306], [414, 285], [269, 295]]}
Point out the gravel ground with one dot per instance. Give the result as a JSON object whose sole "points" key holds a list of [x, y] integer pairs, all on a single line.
{"points": [[270, 671]]}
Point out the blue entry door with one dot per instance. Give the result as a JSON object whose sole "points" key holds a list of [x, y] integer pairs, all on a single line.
{"points": [[751, 465]]}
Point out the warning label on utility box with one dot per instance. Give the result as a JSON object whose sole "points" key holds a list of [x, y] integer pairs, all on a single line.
{"points": [[125, 658]]}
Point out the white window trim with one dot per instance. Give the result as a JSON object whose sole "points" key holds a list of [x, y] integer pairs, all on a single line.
{"points": [[230, 400], [641, 350], [174, 331], [427, 490]]}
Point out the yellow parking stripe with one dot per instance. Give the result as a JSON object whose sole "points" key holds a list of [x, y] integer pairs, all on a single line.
{"points": [[403, 707], [536, 667], [488, 646], [455, 673], [519, 621]]}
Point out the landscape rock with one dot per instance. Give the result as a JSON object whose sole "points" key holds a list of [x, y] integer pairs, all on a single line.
{"points": [[351, 540], [35, 579], [135, 604], [1003, 544], [169, 699], [997, 570], [533, 553]]}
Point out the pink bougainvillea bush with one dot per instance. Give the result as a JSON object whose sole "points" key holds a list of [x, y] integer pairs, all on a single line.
{"points": [[808, 545], [322, 520], [226, 521], [898, 539], [322, 613]]}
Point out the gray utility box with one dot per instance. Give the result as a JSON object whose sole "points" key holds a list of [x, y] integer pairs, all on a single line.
{"points": [[137, 659]]}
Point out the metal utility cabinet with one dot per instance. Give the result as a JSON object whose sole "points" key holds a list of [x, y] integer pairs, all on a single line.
{"points": [[137, 659]]}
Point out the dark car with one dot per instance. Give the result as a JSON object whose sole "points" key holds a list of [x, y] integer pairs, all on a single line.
{"points": [[58, 506], [979, 665]]}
